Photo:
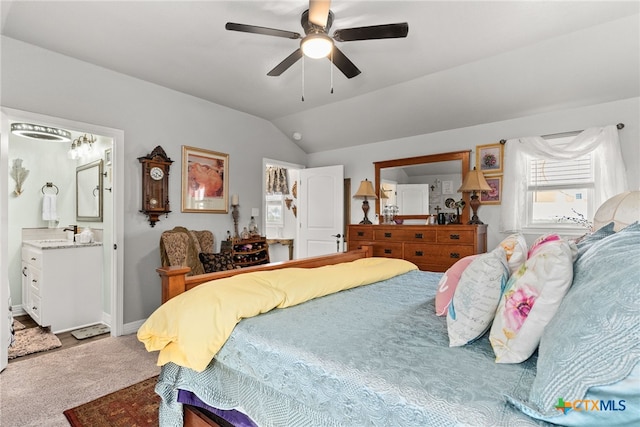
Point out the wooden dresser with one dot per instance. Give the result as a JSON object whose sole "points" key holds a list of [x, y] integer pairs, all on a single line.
{"points": [[430, 247]]}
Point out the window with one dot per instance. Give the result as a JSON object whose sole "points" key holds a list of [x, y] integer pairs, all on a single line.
{"points": [[275, 209], [560, 192]]}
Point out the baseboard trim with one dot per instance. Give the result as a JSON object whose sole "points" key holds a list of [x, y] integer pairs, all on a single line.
{"points": [[132, 327]]}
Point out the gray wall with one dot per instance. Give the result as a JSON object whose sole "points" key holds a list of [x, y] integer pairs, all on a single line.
{"points": [[40, 81]]}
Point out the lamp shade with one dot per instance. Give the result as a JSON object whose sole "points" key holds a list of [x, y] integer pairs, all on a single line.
{"points": [[622, 209], [366, 190], [474, 181]]}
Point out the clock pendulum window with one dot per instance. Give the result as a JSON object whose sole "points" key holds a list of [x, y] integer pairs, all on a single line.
{"points": [[155, 184]]}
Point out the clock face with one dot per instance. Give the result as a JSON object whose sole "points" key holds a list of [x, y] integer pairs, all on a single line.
{"points": [[153, 203], [156, 173]]}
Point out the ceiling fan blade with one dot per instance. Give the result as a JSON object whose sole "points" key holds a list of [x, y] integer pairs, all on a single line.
{"points": [[319, 12], [388, 31], [343, 63], [232, 26], [288, 62]]}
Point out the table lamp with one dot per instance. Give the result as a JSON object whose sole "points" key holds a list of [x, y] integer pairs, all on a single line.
{"points": [[365, 190], [473, 182]]}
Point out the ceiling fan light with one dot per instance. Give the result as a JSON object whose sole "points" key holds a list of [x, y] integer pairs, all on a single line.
{"points": [[316, 45]]}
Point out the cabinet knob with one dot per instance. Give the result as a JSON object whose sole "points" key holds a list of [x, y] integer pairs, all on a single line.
{"points": [[454, 255], [454, 236]]}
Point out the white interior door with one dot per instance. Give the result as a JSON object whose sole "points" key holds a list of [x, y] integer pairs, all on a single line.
{"points": [[320, 211], [413, 199]]}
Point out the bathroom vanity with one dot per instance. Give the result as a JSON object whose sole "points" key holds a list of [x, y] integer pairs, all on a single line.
{"points": [[62, 283]]}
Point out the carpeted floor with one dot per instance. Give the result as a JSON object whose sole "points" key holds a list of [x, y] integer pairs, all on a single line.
{"points": [[136, 405], [32, 340]]}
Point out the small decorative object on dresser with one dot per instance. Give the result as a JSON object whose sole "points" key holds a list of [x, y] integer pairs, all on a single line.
{"points": [[432, 248]]}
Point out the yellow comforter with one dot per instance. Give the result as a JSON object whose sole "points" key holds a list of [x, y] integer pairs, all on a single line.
{"points": [[189, 329]]}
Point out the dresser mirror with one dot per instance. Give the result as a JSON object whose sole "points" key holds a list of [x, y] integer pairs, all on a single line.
{"points": [[89, 192], [425, 170]]}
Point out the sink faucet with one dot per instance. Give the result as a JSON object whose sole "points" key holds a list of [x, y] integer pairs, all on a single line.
{"points": [[73, 228]]}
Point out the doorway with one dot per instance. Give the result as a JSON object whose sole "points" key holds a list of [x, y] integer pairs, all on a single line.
{"points": [[112, 228]]}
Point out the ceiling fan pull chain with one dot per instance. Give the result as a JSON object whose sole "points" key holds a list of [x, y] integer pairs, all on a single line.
{"points": [[302, 78], [331, 70]]}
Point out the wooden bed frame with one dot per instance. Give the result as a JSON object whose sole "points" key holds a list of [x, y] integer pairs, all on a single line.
{"points": [[175, 281]]}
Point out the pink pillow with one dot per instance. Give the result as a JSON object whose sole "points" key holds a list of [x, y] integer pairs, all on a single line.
{"points": [[448, 284]]}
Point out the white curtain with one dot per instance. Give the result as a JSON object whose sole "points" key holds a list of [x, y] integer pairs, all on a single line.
{"points": [[610, 175]]}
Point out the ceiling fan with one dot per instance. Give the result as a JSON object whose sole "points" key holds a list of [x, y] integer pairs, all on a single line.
{"points": [[316, 22]]}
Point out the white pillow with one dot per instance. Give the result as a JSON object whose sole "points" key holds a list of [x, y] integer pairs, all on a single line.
{"points": [[531, 298], [515, 246], [476, 297]]}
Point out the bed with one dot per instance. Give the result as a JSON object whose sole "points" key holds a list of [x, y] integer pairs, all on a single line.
{"points": [[372, 354]]}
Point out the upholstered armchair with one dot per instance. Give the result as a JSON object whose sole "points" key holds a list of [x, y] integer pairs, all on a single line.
{"points": [[182, 246]]}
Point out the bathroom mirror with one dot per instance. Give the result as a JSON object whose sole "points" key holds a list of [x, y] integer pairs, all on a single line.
{"points": [[454, 165], [89, 191]]}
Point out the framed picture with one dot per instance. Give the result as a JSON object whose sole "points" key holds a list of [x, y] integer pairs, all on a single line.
{"points": [[107, 157], [205, 182], [489, 158], [493, 197]]}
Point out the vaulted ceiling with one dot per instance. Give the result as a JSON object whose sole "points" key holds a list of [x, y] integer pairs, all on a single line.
{"points": [[463, 62]]}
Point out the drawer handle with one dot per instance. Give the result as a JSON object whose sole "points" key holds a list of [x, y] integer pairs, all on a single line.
{"points": [[387, 251], [418, 236], [454, 236], [454, 255], [418, 253], [34, 280], [24, 271], [360, 233], [34, 308], [33, 258], [387, 234]]}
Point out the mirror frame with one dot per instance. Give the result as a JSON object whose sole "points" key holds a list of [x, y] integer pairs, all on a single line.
{"points": [[100, 166], [463, 156]]}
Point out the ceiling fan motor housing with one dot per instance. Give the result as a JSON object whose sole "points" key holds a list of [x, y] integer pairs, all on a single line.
{"points": [[311, 28]]}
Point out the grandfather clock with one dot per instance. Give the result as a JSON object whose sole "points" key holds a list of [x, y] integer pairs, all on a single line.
{"points": [[155, 184]]}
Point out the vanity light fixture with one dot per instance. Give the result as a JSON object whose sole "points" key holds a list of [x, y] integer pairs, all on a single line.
{"points": [[40, 132], [81, 146]]}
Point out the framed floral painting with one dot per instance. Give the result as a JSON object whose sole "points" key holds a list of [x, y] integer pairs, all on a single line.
{"points": [[489, 158], [205, 181], [493, 197]]}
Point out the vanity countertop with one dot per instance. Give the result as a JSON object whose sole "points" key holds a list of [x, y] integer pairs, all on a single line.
{"points": [[58, 244]]}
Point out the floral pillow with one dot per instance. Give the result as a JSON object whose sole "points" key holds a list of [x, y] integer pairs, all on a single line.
{"points": [[212, 262], [515, 246], [449, 282], [532, 296], [476, 297]]}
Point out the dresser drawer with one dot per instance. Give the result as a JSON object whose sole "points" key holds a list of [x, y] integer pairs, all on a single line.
{"points": [[360, 233], [402, 233], [455, 236], [389, 250], [436, 254]]}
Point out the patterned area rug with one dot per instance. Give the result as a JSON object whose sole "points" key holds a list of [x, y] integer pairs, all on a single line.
{"points": [[136, 405], [32, 340]]}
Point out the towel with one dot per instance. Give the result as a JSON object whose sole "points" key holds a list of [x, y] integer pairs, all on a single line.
{"points": [[49, 211]]}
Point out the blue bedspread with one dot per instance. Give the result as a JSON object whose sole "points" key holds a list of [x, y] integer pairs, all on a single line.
{"points": [[370, 356]]}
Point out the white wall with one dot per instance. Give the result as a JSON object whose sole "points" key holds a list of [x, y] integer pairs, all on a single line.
{"points": [[41, 81], [359, 160]]}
